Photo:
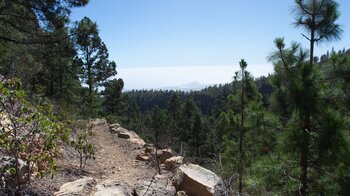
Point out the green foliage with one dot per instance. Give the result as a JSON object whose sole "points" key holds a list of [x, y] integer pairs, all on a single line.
{"points": [[30, 132], [111, 119], [113, 98], [82, 145], [92, 59]]}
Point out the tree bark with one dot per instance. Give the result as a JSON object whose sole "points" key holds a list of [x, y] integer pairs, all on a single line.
{"points": [[304, 156], [240, 190]]}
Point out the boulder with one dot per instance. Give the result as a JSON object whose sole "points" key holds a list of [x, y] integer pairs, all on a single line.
{"points": [[112, 188], [197, 181], [123, 134], [159, 185], [164, 155], [113, 128], [173, 162], [81, 186], [135, 139], [131, 136]]}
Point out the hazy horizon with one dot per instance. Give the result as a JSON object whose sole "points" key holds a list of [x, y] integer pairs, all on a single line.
{"points": [[178, 77], [168, 39]]}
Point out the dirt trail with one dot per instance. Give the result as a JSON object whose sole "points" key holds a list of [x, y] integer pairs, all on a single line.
{"points": [[115, 160], [116, 157]]}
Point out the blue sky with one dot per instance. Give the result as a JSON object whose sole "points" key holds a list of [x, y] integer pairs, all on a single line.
{"points": [[154, 42]]}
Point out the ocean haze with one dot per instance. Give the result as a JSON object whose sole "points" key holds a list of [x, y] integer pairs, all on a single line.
{"points": [[183, 77]]}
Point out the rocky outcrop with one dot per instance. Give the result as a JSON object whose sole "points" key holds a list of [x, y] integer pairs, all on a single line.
{"points": [[164, 155], [113, 127], [123, 133], [159, 185], [82, 186], [88, 186], [173, 162], [197, 181], [112, 188], [98, 121]]}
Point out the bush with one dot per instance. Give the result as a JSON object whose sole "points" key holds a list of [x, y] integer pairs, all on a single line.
{"points": [[81, 144], [30, 135]]}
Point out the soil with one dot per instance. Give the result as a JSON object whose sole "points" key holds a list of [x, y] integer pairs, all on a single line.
{"points": [[114, 159]]}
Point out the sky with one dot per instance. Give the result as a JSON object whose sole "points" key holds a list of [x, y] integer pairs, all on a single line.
{"points": [[171, 43]]}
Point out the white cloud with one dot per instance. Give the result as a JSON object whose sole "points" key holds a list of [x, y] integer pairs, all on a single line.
{"points": [[159, 77]]}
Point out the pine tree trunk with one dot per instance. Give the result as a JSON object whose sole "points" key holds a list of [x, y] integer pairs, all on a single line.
{"points": [[61, 82], [240, 190], [51, 85], [304, 156]]}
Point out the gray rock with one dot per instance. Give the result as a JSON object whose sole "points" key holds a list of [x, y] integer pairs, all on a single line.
{"points": [[81, 186], [160, 185], [112, 188], [197, 181], [113, 128], [123, 133], [98, 121], [173, 162], [131, 136]]}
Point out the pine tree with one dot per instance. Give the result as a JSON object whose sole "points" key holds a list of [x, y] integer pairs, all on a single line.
{"points": [[235, 120], [92, 57], [174, 113], [113, 96], [34, 21], [318, 17]]}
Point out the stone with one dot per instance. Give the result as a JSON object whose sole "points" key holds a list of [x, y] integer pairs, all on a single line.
{"points": [[113, 128], [115, 125], [149, 150], [164, 155], [81, 186], [98, 121], [131, 136], [112, 188], [181, 193], [135, 139], [196, 180], [142, 157], [158, 185], [173, 162], [124, 135]]}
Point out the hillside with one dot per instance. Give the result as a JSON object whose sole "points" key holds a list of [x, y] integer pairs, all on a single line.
{"points": [[117, 170], [115, 159]]}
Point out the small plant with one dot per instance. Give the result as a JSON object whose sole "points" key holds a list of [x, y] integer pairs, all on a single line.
{"points": [[81, 144]]}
